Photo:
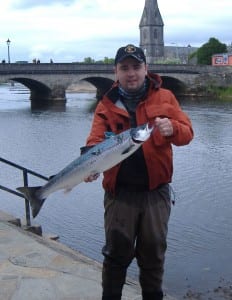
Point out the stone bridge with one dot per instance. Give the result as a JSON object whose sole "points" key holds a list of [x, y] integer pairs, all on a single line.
{"points": [[49, 81]]}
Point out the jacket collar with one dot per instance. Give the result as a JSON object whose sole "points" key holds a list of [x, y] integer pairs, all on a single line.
{"points": [[154, 80]]}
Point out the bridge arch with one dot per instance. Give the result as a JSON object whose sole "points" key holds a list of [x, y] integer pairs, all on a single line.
{"points": [[102, 84], [40, 92], [175, 85], [37, 89]]}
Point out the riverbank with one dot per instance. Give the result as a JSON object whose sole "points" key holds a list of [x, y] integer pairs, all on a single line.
{"points": [[37, 267], [34, 267], [224, 94]]}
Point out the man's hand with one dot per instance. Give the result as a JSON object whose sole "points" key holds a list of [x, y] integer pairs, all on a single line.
{"points": [[164, 125], [92, 177]]}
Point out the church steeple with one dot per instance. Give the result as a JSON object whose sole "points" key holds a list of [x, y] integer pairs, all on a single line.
{"points": [[151, 31]]}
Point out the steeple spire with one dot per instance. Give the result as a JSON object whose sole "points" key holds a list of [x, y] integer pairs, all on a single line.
{"points": [[151, 31]]}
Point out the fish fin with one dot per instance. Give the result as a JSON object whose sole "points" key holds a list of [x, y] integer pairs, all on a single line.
{"points": [[109, 134], [127, 149], [35, 202]]}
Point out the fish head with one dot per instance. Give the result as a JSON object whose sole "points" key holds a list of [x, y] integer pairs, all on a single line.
{"points": [[141, 133]]}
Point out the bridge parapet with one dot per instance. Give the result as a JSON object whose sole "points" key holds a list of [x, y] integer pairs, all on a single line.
{"points": [[54, 68]]}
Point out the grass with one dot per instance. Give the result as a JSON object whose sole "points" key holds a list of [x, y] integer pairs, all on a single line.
{"points": [[226, 93], [222, 92]]}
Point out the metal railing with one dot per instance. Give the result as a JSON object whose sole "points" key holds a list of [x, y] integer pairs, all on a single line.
{"points": [[25, 173]]}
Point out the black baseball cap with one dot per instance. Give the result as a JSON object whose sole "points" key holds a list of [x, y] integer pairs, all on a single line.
{"points": [[130, 51]]}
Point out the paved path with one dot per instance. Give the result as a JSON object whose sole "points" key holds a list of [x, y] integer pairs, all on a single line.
{"points": [[38, 268]]}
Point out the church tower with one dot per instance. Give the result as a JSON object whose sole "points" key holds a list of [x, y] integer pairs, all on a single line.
{"points": [[151, 32]]}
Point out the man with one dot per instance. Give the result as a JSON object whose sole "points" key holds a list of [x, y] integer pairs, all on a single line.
{"points": [[137, 198]]}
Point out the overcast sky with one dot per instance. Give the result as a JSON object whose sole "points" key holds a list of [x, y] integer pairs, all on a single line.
{"points": [[70, 30]]}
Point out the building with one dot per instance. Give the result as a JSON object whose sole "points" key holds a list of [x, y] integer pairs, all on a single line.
{"points": [[223, 59], [151, 31], [179, 54], [152, 38]]}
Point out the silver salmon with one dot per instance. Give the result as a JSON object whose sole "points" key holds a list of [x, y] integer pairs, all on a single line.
{"points": [[97, 159]]}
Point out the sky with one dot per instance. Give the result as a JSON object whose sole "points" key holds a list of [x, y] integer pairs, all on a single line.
{"points": [[71, 30]]}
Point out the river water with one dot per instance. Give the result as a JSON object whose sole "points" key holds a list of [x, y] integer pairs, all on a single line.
{"points": [[199, 251]]}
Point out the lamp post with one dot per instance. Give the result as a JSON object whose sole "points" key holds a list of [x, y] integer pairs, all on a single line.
{"points": [[8, 48]]}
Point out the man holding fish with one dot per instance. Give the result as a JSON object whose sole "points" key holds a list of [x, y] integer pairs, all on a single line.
{"points": [[137, 194], [134, 126]]}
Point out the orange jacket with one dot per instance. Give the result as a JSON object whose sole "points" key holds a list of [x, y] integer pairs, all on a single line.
{"points": [[159, 102]]}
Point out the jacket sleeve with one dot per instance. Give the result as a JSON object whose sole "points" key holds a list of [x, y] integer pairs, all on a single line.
{"points": [[98, 128], [182, 131], [182, 127]]}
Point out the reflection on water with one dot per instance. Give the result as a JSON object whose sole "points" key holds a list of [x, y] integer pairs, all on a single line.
{"points": [[199, 242]]}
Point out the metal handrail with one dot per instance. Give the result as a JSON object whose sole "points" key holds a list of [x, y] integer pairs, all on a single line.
{"points": [[25, 182]]}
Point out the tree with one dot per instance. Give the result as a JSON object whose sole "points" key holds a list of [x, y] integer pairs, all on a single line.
{"points": [[89, 60], [108, 60], [213, 46]]}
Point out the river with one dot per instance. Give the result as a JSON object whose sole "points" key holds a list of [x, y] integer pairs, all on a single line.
{"points": [[199, 254]]}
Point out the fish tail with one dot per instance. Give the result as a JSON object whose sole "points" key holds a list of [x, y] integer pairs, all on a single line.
{"points": [[35, 201]]}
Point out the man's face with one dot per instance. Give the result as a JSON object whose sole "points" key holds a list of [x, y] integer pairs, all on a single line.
{"points": [[131, 74]]}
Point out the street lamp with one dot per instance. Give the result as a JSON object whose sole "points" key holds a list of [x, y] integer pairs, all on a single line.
{"points": [[8, 48]]}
